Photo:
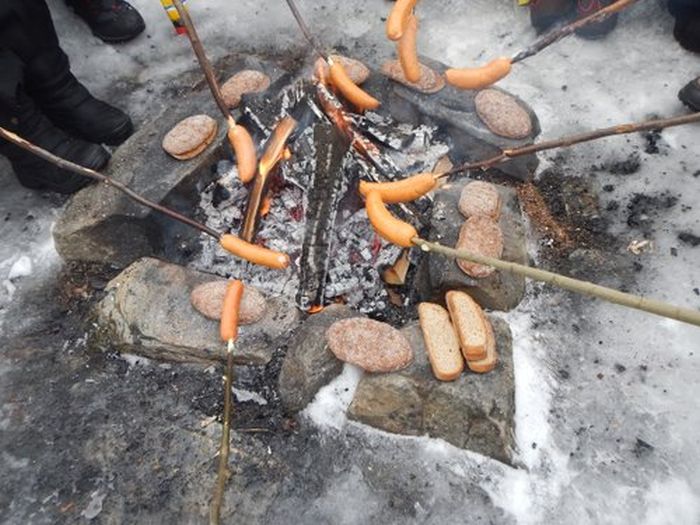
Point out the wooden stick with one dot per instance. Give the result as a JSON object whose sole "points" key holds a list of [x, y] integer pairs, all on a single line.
{"points": [[202, 58], [224, 449], [307, 32], [620, 129], [109, 181], [653, 306], [557, 34]]}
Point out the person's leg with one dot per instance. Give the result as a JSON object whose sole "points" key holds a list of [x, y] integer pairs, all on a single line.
{"points": [[111, 20], [19, 114], [28, 31], [687, 26], [546, 13]]}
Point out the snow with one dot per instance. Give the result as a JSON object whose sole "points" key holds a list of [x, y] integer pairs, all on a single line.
{"points": [[577, 459]]}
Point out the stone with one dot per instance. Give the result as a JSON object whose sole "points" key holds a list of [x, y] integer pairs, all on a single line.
{"points": [[438, 274], [454, 111], [100, 224], [475, 412], [480, 235], [372, 345], [208, 300], [309, 364], [147, 311], [480, 198], [243, 82], [430, 81], [503, 114], [190, 137], [356, 70]]}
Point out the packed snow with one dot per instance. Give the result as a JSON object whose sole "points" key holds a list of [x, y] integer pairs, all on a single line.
{"points": [[614, 440]]}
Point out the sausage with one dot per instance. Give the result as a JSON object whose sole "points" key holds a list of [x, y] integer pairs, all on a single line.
{"points": [[341, 80], [398, 18], [408, 52], [479, 77], [254, 253], [406, 190], [243, 146], [228, 328], [387, 226]]}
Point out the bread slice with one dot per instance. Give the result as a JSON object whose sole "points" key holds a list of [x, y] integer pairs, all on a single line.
{"points": [[441, 342], [487, 364], [190, 137], [470, 323]]}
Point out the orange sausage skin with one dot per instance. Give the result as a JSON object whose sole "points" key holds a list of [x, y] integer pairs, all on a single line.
{"points": [[360, 98], [479, 77], [244, 148], [387, 226], [398, 18], [408, 53], [406, 190], [254, 253], [229, 315]]}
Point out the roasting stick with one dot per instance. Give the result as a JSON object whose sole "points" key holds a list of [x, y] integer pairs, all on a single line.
{"points": [[229, 334], [240, 139], [403, 234], [484, 76], [235, 245], [338, 76]]}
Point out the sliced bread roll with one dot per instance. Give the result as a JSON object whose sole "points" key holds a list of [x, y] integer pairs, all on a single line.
{"points": [[441, 342], [487, 364], [470, 323]]}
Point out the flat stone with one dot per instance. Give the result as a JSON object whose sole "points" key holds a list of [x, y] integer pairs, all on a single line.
{"points": [[480, 198], [438, 274], [369, 344], [475, 412], [208, 300], [147, 311], [100, 224], [503, 114], [309, 364]]}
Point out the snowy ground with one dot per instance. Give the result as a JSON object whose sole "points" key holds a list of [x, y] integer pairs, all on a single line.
{"points": [[607, 415]]}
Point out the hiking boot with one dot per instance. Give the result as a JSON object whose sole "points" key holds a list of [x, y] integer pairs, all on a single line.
{"points": [[687, 28], [36, 173], [69, 104], [545, 13], [112, 21], [690, 94], [585, 8]]}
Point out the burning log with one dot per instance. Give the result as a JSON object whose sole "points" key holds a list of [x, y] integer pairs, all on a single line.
{"points": [[273, 154], [324, 195]]}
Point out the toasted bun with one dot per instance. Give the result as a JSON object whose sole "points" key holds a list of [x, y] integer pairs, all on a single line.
{"points": [[245, 81], [441, 342], [481, 235], [190, 137], [480, 198], [470, 323], [487, 364]]}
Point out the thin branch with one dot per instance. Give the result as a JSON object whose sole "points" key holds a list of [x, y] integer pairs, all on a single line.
{"points": [[557, 34], [307, 32], [225, 447], [653, 306], [109, 181], [620, 129], [202, 57]]}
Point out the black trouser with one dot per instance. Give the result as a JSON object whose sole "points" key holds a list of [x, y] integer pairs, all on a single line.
{"points": [[30, 54]]}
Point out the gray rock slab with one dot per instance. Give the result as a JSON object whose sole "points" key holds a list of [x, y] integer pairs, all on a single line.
{"points": [[309, 363], [475, 412], [100, 224], [147, 311], [500, 291]]}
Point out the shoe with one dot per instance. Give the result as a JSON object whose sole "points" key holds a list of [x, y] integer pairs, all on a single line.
{"points": [[69, 104], [36, 173], [545, 13], [112, 21], [687, 29], [690, 94], [585, 8]]}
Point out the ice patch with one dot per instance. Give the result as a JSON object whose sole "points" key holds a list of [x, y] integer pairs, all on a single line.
{"points": [[22, 267], [672, 502], [328, 408]]}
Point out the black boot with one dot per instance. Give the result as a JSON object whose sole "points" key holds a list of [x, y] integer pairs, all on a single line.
{"points": [[690, 94], [24, 118], [110, 20], [70, 105], [687, 27]]}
